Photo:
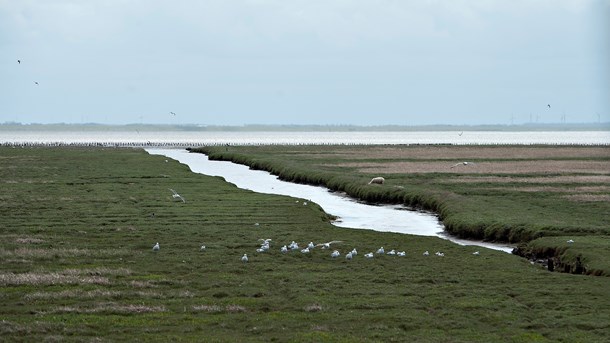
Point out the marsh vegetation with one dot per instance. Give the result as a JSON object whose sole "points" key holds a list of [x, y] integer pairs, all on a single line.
{"points": [[78, 226]]}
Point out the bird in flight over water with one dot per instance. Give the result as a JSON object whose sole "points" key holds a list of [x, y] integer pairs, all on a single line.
{"points": [[172, 113]]}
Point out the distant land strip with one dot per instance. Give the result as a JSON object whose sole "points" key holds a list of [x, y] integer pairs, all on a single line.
{"points": [[15, 126]]}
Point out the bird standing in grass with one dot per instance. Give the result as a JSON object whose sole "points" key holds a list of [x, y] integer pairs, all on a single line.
{"points": [[244, 258], [156, 247]]}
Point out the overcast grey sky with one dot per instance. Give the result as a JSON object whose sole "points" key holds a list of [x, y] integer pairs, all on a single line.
{"points": [[361, 62]]}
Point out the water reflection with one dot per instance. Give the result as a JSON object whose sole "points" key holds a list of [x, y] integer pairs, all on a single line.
{"points": [[350, 213]]}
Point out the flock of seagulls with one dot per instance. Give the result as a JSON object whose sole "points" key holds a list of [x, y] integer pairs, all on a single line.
{"points": [[294, 246], [265, 246]]}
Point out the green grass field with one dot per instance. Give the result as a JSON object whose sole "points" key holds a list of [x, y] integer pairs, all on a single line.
{"points": [[77, 230], [507, 193]]}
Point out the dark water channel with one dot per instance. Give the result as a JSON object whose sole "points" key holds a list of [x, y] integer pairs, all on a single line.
{"points": [[350, 213]]}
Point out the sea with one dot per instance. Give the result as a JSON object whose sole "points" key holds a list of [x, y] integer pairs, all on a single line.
{"points": [[202, 138]]}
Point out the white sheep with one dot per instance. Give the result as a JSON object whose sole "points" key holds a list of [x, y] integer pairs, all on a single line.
{"points": [[377, 180]]}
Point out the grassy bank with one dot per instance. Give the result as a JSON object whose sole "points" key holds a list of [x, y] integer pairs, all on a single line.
{"points": [[506, 193], [77, 232]]}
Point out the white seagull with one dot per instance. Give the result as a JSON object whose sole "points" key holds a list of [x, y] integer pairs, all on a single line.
{"points": [[284, 249], [305, 251], [438, 253], [461, 163], [244, 258], [348, 256], [156, 247], [391, 252], [369, 255], [202, 248], [327, 244], [570, 241], [380, 251], [401, 253], [426, 253], [310, 245], [175, 195], [475, 253], [354, 252], [335, 254]]}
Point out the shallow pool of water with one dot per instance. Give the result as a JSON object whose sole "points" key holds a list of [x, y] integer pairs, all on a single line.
{"points": [[350, 213]]}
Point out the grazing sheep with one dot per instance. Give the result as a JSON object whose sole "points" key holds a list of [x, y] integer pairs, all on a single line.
{"points": [[377, 180]]}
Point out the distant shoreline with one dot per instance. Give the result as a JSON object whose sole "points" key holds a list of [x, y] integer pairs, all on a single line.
{"points": [[10, 126]]}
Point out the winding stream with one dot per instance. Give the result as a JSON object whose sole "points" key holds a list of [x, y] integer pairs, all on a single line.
{"points": [[350, 213]]}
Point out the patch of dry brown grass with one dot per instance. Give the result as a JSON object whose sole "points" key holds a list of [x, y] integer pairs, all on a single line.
{"points": [[217, 309], [500, 167], [458, 152], [45, 279], [313, 308], [110, 308], [8, 327], [73, 293], [551, 189], [29, 240], [68, 276], [588, 179], [51, 253], [587, 197]]}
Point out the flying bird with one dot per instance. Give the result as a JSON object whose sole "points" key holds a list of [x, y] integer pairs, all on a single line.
{"points": [[327, 244], [461, 163], [19, 61], [176, 195], [36, 82], [548, 105], [172, 113]]}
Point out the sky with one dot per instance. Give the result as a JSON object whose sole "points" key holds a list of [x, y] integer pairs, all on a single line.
{"points": [[304, 62]]}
